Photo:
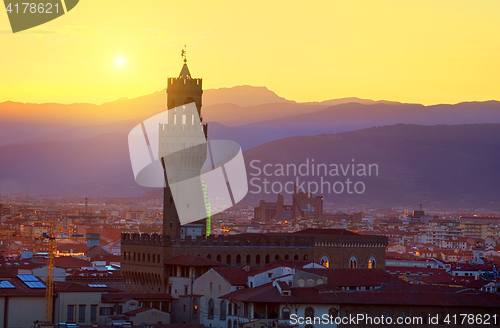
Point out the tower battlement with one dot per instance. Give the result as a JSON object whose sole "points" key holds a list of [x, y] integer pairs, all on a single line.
{"points": [[183, 83]]}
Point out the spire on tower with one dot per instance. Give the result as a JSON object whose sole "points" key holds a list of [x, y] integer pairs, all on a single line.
{"points": [[185, 70]]}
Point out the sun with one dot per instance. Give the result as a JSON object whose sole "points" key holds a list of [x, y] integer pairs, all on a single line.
{"points": [[119, 62]]}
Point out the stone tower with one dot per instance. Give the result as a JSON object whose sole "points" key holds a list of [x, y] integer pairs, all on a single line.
{"points": [[188, 161]]}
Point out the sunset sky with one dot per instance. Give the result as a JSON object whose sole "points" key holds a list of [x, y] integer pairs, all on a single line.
{"points": [[423, 51]]}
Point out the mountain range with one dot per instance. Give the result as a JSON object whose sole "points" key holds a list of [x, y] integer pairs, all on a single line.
{"points": [[82, 148]]}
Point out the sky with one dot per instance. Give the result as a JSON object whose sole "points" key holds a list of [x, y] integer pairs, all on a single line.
{"points": [[423, 51]]}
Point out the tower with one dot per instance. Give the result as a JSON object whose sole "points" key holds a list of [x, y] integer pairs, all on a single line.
{"points": [[188, 161]]}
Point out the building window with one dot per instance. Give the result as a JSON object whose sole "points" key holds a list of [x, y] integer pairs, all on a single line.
{"points": [[333, 312], [301, 282], [325, 261], [249, 259], [353, 263], [223, 310], [93, 313], [211, 287], [372, 264], [70, 316], [267, 259], [106, 311], [285, 314], [309, 312], [257, 259], [195, 308], [211, 309], [185, 290], [81, 314]]}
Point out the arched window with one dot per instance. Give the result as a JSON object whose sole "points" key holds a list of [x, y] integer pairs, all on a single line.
{"points": [[285, 314], [333, 312], [228, 259], [235, 324], [249, 259], [305, 258], [287, 257], [353, 262], [309, 312], [320, 282], [143, 257], [295, 257], [134, 256], [325, 261], [219, 258], [211, 309], [372, 264], [301, 282], [267, 259], [310, 283], [238, 259], [257, 259], [230, 308], [223, 310], [158, 258], [277, 257], [229, 324], [154, 258], [209, 256], [149, 257], [196, 305]]}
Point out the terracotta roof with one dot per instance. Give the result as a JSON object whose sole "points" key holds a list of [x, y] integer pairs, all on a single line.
{"points": [[193, 260], [21, 289], [121, 297], [234, 276], [328, 232], [277, 264], [72, 287], [449, 280], [138, 310], [398, 293], [353, 277], [283, 285]]}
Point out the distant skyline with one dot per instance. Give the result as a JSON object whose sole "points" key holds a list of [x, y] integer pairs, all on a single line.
{"points": [[410, 51]]}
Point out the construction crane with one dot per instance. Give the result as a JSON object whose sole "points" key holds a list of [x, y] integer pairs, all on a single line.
{"points": [[49, 281]]}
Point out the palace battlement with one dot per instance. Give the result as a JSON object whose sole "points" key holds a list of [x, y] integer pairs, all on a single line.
{"points": [[255, 240]]}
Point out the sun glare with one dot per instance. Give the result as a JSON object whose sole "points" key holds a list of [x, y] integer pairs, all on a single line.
{"points": [[119, 62]]}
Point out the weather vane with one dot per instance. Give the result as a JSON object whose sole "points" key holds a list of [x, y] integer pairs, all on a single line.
{"points": [[183, 54]]}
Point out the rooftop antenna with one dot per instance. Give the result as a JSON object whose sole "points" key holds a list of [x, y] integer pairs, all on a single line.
{"points": [[183, 54], [420, 206], [86, 205]]}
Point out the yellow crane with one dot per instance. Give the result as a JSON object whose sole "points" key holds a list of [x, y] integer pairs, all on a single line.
{"points": [[49, 281]]}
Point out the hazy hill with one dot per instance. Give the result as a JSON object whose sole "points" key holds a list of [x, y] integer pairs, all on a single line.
{"points": [[355, 116], [448, 164]]}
